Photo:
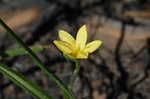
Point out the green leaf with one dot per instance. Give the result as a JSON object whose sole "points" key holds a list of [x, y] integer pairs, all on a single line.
{"points": [[39, 63], [24, 83], [22, 51]]}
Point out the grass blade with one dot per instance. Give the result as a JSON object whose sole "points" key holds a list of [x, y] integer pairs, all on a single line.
{"points": [[23, 82], [39, 63], [20, 51]]}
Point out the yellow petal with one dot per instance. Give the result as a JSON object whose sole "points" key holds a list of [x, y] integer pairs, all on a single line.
{"points": [[92, 46], [63, 46], [82, 55], [81, 37], [65, 36]]}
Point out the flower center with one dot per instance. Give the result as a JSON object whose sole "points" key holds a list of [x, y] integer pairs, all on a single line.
{"points": [[75, 50]]}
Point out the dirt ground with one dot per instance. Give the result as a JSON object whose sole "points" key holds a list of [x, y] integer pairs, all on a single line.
{"points": [[118, 70]]}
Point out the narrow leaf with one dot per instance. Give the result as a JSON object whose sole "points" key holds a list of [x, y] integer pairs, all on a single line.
{"points": [[39, 63], [22, 51], [23, 82]]}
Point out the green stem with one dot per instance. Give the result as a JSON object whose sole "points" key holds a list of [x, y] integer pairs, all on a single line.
{"points": [[75, 73], [37, 60]]}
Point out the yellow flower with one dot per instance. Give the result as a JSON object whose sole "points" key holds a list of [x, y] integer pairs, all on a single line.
{"points": [[77, 49]]}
